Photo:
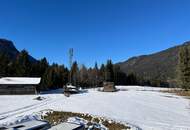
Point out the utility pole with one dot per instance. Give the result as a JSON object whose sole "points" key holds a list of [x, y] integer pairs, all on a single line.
{"points": [[70, 63]]}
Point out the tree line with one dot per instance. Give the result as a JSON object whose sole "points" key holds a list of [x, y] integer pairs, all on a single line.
{"points": [[55, 76]]}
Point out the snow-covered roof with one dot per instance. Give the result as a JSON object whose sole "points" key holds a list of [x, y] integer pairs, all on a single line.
{"points": [[32, 124], [20, 80], [71, 87], [67, 126]]}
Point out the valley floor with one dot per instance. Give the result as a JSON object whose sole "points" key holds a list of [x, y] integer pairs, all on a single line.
{"points": [[147, 108]]}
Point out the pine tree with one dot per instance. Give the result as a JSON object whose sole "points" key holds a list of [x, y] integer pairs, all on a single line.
{"points": [[184, 67], [38, 68], [47, 81], [43, 65], [23, 64], [95, 72], [74, 73], [64, 74], [102, 73], [116, 70], [120, 77], [83, 76], [4, 61], [109, 73], [131, 79]]}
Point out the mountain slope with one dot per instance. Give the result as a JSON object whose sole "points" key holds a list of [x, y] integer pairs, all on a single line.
{"points": [[161, 65], [7, 47]]}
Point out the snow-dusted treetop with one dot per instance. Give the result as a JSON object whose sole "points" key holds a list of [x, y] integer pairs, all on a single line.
{"points": [[19, 80]]}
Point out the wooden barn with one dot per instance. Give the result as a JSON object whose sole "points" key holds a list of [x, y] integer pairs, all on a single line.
{"points": [[18, 85]]}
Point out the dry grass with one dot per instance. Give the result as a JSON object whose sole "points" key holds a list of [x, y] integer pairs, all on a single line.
{"points": [[178, 92], [115, 126], [55, 118]]}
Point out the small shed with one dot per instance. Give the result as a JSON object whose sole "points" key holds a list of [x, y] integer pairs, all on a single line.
{"points": [[109, 87], [19, 85]]}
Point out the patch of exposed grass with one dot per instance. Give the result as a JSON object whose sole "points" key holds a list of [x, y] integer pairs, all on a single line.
{"points": [[55, 118], [178, 92], [114, 125]]}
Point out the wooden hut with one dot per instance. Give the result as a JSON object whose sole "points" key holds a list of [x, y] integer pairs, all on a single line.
{"points": [[109, 87], [18, 85]]}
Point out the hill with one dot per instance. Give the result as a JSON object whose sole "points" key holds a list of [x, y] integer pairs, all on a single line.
{"points": [[161, 65]]}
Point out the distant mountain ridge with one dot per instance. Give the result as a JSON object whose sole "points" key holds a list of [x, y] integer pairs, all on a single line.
{"points": [[161, 65], [7, 47]]}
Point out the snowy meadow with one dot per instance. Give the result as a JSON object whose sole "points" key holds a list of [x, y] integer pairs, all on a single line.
{"points": [[143, 107]]}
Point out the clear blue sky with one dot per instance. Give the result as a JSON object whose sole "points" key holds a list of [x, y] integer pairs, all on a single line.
{"points": [[96, 29]]}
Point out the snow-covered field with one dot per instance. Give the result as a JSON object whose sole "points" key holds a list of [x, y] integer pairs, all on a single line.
{"points": [[146, 108]]}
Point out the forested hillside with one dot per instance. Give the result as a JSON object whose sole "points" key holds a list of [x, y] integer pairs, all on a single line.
{"points": [[157, 67]]}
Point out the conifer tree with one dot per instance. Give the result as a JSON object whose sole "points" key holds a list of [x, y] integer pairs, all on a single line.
{"points": [[43, 65], [116, 70], [95, 74], [47, 81], [83, 76], [3, 65], [109, 73], [102, 73], [23, 64], [74, 73], [131, 79], [184, 67]]}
